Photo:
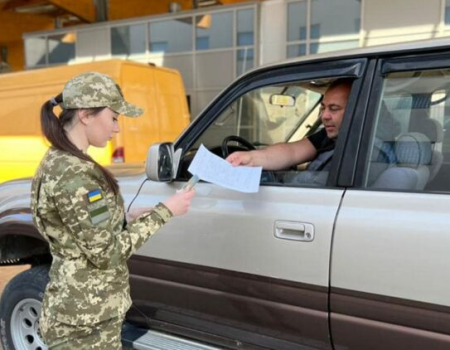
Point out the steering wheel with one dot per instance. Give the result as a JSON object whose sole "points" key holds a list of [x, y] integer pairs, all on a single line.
{"points": [[225, 148]]}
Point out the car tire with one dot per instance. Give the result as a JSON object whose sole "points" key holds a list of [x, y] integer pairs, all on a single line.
{"points": [[20, 308]]}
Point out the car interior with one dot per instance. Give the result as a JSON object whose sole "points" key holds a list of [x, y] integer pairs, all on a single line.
{"points": [[410, 147], [411, 118], [279, 113]]}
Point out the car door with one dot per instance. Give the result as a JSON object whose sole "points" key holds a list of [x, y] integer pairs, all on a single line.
{"points": [[390, 281], [240, 269]]}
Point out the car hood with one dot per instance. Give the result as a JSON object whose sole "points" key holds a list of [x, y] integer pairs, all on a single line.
{"points": [[126, 169]]}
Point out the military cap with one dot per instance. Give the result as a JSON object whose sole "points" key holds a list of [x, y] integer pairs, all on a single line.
{"points": [[93, 89]]}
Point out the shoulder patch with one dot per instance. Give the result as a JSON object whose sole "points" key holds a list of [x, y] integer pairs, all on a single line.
{"points": [[94, 196], [99, 215], [97, 206]]}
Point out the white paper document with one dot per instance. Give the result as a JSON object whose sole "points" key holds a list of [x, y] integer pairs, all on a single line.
{"points": [[211, 168]]}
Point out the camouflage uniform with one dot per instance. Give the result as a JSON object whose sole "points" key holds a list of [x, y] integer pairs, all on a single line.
{"points": [[83, 222]]}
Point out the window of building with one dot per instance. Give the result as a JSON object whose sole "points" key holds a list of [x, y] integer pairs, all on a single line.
{"points": [[330, 18], [245, 27], [128, 40], [297, 21], [162, 46], [447, 13], [195, 44], [36, 51], [245, 40], [315, 26], [171, 36], [214, 31]]}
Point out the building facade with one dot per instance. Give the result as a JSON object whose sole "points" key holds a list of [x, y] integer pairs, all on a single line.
{"points": [[212, 46]]}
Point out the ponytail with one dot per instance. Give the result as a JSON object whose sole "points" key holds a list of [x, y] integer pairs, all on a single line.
{"points": [[53, 130]]}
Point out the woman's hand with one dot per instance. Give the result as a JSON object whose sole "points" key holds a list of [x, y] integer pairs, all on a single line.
{"points": [[135, 212], [180, 202]]}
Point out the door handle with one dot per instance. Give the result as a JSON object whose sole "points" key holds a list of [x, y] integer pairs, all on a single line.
{"points": [[293, 230]]}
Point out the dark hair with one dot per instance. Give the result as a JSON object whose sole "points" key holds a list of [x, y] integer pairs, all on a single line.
{"points": [[341, 82], [53, 129]]}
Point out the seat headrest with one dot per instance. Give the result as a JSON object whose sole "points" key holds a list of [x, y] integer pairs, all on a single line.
{"points": [[429, 127], [413, 149], [388, 128]]}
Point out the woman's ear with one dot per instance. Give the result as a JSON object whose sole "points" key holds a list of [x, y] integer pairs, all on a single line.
{"points": [[83, 116]]}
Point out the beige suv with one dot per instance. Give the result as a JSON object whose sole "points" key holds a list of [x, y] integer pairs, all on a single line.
{"points": [[358, 258]]}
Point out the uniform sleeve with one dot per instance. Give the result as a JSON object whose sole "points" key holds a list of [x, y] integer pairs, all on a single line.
{"points": [[97, 228]]}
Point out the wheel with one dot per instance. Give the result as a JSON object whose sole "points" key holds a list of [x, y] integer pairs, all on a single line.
{"points": [[225, 148], [20, 308]]}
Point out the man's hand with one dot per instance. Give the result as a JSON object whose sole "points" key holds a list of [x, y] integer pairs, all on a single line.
{"points": [[240, 158]]}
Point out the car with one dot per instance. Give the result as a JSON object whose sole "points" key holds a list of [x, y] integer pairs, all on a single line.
{"points": [[357, 261]]}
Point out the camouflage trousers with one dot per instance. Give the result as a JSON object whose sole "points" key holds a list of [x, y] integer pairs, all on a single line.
{"points": [[61, 336]]}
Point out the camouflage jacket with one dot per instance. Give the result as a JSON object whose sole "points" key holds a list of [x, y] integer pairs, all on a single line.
{"points": [[83, 222]]}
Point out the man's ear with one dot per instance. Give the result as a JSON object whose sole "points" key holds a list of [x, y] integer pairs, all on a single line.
{"points": [[83, 116]]}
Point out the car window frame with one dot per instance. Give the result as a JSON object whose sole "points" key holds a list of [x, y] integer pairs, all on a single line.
{"points": [[385, 66], [354, 68]]}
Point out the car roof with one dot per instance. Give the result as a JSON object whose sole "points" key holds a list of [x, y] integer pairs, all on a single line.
{"points": [[370, 51]]}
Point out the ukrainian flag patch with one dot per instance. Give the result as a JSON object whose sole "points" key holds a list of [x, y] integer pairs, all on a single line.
{"points": [[97, 207], [94, 196]]}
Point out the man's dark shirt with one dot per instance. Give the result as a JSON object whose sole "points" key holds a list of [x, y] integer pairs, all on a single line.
{"points": [[322, 160], [321, 142]]}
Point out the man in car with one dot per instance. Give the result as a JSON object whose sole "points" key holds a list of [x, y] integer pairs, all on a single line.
{"points": [[317, 149]]}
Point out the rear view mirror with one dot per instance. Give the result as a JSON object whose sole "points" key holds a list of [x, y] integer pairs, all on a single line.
{"points": [[162, 162], [282, 100]]}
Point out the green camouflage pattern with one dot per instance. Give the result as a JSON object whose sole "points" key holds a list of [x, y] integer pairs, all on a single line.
{"points": [[89, 275], [92, 89], [103, 335]]}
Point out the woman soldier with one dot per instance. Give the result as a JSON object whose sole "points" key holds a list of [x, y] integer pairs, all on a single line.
{"points": [[77, 207]]}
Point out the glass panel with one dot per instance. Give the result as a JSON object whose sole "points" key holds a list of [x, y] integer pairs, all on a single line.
{"points": [[61, 48], [214, 31], [334, 46], [333, 18], [35, 49], [296, 50], [409, 148], [214, 70], [245, 26], [93, 42], [245, 60], [171, 36], [296, 21], [128, 40], [184, 64], [447, 12]]}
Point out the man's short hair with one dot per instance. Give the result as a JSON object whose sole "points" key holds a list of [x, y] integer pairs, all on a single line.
{"points": [[340, 82]]}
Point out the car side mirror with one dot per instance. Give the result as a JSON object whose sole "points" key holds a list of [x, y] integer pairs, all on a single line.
{"points": [[162, 162]]}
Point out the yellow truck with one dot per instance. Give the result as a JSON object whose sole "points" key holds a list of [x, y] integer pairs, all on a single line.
{"points": [[159, 91]]}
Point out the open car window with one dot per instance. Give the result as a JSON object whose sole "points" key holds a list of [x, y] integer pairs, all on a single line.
{"points": [[265, 116], [262, 117]]}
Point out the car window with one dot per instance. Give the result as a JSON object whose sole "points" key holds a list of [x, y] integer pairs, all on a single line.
{"points": [[410, 145], [265, 116], [262, 117]]}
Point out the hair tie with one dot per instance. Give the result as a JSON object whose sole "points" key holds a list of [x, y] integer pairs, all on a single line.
{"points": [[53, 101]]}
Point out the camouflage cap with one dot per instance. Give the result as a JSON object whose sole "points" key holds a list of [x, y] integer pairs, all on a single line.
{"points": [[93, 89]]}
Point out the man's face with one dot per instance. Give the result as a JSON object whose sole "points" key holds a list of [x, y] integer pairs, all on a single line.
{"points": [[333, 109]]}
